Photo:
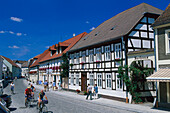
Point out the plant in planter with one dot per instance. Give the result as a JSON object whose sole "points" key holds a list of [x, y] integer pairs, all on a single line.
{"points": [[85, 92], [78, 91], [82, 63], [71, 65]]}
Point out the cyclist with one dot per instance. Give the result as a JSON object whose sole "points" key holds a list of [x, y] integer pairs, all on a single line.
{"points": [[33, 89], [28, 92], [40, 97]]}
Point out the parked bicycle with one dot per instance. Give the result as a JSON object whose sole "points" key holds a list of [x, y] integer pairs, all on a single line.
{"points": [[42, 108]]}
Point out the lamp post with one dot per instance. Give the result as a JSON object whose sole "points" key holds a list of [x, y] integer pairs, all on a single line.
{"points": [[48, 73]]}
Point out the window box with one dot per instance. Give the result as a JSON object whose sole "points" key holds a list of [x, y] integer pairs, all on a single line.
{"points": [[71, 65], [81, 63], [98, 61]]}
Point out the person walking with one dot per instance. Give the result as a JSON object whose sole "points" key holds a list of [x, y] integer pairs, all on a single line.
{"points": [[12, 87], [45, 85], [95, 91], [89, 92], [54, 85]]}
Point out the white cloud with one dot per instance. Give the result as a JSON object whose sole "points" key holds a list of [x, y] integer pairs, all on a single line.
{"points": [[92, 28], [11, 32], [25, 34], [13, 47], [87, 22], [21, 52], [47, 46], [16, 19], [18, 34], [2, 31]]}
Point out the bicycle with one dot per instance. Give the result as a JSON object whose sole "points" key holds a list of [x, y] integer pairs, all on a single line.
{"points": [[28, 101], [43, 108]]}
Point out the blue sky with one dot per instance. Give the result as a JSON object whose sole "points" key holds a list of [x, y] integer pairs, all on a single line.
{"points": [[28, 27]]}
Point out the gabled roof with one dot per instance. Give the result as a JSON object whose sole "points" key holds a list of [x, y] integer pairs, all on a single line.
{"points": [[10, 61], [52, 48], [117, 26], [164, 18], [39, 58], [25, 64], [70, 43]]}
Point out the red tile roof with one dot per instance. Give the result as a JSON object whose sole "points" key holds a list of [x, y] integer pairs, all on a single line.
{"points": [[10, 61], [39, 57], [70, 43]]}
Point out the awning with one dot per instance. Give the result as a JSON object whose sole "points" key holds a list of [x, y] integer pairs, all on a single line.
{"points": [[162, 75]]}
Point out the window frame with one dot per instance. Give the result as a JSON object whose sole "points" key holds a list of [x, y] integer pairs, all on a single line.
{"points": [[108, 53], [108, 81], [167, 41], [72, 79], [118, 50], [91, 78], [120, 81], [99, 54], [91, 55], [77, 79], [99, 79]]}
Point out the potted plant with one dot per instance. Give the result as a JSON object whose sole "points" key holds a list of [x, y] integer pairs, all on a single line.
{"points": [[85, 92], [71, 65], [78, 91]]}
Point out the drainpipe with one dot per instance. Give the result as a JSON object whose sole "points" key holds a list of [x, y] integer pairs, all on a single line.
{"points": [[156, 68], [124, 45]]}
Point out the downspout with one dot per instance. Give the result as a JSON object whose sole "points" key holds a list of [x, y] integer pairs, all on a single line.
{"points": [[124, 45], [156, 68]]}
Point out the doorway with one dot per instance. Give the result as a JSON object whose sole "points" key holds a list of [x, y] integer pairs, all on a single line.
{"points": [[83, 81]]}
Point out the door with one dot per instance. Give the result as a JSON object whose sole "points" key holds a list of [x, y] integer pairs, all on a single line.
{"points": [[163, 92], [83, 81], [54, 79]]}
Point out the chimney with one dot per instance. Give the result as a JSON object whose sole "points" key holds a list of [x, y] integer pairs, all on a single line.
{"points": [[74, 34]]}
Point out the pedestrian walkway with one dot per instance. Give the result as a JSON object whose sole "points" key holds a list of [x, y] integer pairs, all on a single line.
{"points": [[106, 102]]}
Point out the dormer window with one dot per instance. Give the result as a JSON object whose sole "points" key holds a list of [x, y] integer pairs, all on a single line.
{"points": [[53, 52], [57, 51]]}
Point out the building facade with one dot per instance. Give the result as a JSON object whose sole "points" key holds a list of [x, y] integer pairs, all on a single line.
{"points": [[10, 69], [162, 52], [121, 40], [50, 64]]}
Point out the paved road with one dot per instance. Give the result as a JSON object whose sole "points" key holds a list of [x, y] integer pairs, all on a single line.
{"points": [[57, 103]]}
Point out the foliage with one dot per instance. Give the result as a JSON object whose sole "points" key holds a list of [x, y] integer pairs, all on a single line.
{"points": [[64, 66], [85, 92], [134, 77]]}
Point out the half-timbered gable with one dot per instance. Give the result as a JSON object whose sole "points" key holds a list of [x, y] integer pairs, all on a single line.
{"points": [[96, 57]]}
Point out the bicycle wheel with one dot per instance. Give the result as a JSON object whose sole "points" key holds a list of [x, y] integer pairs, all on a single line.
{"points": [[44, 109]]}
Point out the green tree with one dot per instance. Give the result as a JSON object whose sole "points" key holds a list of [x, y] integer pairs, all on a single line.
{"points": [[134, 77], [64, 66]]}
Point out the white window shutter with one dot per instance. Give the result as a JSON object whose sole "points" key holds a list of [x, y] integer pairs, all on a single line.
{"points": [[94, 50]]}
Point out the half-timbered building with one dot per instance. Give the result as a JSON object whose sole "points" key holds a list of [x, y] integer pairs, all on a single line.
{"points": [[122, 39], [50, 64]]}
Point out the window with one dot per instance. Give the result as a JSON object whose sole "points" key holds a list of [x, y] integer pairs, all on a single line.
{"points": [[83, 56], [72, 79], [77, 79], [118, 51], [91, 78], [77, 58], [167, 41], [91, 55], [107, 53], [98, 54], [72, 58], [119, 83], [108, 80], [99, 80]]}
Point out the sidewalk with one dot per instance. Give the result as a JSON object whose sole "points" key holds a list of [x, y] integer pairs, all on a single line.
{"points": [[105, 102]]}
